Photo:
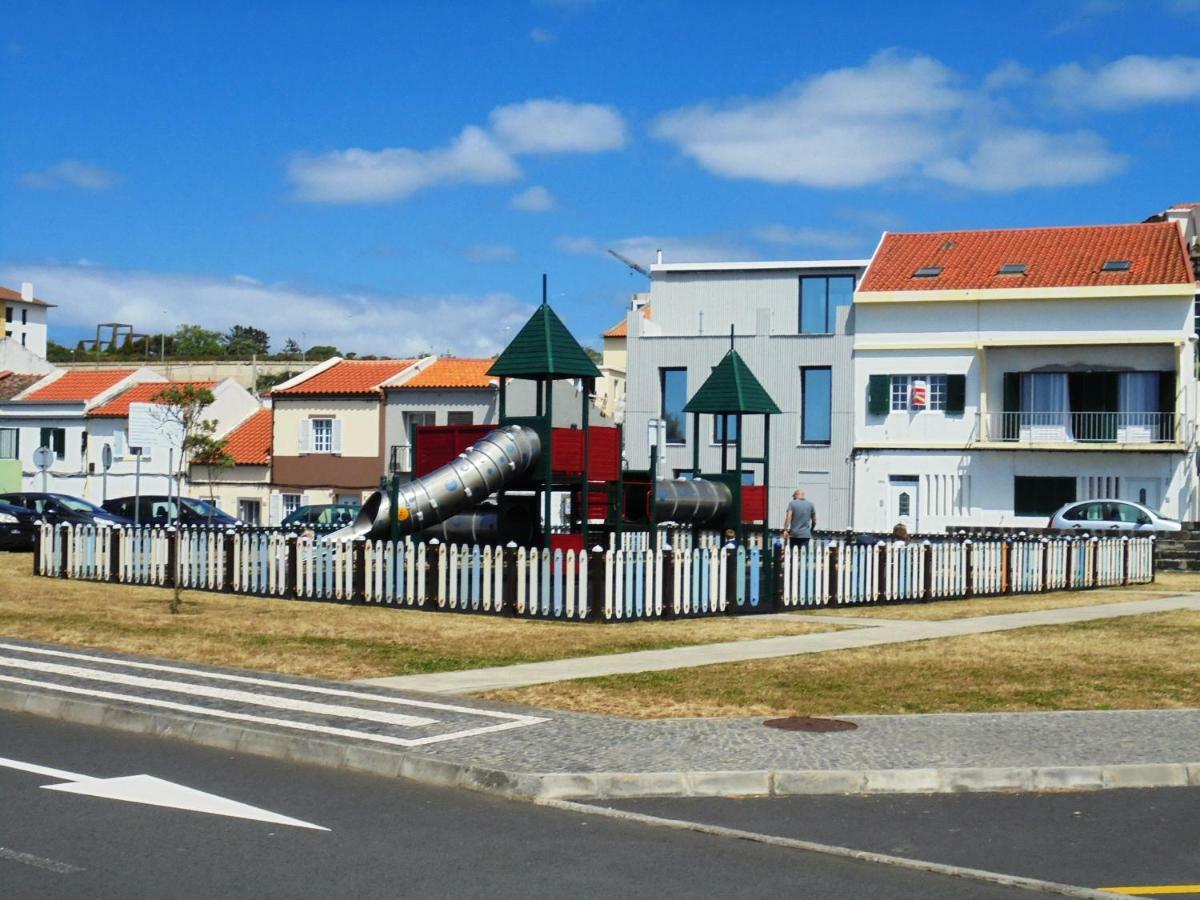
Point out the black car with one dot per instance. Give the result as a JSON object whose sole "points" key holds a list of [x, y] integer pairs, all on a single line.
{"points": [[63, 508], [322, 516], [18, 527], [159, 509]]}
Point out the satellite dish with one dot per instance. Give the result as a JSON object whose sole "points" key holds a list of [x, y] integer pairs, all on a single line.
{"points": [[43, 458]]}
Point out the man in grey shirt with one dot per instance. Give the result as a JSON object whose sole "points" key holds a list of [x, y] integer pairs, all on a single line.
{"points": [[801, 519]]}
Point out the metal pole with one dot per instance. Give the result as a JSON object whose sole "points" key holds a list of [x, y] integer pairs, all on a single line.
{"points": [[171, 513], [137, 489], [548, 452], [584, 383]]}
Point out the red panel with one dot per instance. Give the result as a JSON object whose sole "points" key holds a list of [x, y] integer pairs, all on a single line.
{"points": [[565, 542], [597, 502], [438, 444], [604, 453], [754, 503]]}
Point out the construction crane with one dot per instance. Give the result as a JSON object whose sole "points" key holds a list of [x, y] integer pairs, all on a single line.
{"points": [[637, 267]]}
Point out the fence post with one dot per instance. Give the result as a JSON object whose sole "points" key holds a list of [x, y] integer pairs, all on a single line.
{"points": [[37, 549], [114, 555], [927, 579], [65, 537], [1096, 562], [292, 570], [1070, 564], [172, 556], [508, 603], [596, 585], [358, 574], [881, 576], [1009, 567], [1124, 560], [1045, 564], [669, 586], [731, 580], [832, 568], [969, 566], [228, 539], [431, 574]]}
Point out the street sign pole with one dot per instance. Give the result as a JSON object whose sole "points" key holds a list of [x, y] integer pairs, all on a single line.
{"points": [[43, 458], [137, 488], [105, 465]]}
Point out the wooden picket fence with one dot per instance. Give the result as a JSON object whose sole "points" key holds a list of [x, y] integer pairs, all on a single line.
{"points": [[619, 584]]}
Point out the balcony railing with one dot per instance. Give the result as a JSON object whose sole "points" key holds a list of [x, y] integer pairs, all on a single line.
{"points": [[400, 457], [1081, 427]]}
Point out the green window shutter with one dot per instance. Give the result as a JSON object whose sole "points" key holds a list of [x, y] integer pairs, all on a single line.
{"points": [[879, 395], [956, 393]]}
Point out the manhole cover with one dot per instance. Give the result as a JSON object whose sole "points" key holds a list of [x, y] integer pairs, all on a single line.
{"points": [[808, 723]]}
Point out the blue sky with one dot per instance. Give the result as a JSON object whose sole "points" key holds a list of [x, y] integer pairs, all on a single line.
{"points": [[395, 177]]}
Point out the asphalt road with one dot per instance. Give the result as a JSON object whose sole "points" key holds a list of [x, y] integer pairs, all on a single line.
{"points": [[1118, 838], [386, 838]]}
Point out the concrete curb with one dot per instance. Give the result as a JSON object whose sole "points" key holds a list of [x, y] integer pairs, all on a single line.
{"points": [[555, 786]]}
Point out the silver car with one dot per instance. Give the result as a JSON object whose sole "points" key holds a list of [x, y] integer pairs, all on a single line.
{"points": [[1110, 515]]}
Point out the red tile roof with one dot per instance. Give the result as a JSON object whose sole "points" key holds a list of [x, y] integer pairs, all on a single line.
{"points": [[12, 383], [250, 443], [9, 294], [621, 329], [118, 406], [80, 385], [1055, 257], [350, 376], [453, 373]]}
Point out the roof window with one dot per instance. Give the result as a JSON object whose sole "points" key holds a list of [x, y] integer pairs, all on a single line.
{"points": [[1115, 265], [928, 272], [1013, 269]]}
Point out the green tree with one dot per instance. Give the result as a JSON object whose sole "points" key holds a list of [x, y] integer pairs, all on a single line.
{"points": [[246, 340], [194, 342], [291, 350], [183, 406], [321, 352]]}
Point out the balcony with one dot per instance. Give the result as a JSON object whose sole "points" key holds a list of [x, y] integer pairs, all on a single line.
{"points": [[1080, 428]]}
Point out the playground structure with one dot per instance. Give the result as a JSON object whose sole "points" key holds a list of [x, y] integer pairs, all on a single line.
{"points": [[493, 485]]}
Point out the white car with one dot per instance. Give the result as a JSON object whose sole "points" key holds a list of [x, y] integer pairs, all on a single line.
{"points": [[1110, 515]]}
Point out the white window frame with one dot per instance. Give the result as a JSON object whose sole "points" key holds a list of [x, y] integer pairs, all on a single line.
{"points": [[935, 393], [320, 435], [15, 434], [289, 503]]}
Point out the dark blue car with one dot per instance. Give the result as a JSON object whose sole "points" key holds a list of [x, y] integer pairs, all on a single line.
{"points": [[18, 527]]}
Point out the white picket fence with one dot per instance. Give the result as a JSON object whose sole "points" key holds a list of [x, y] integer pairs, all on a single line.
{"points": [[615, 585]]}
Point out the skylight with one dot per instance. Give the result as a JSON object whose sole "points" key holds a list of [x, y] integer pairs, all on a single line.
{"points": [[928, 272], [1115, 265], [1013, 269]]}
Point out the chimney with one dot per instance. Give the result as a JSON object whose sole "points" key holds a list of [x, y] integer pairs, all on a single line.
{"points": [[27, 291], [659, 260]]}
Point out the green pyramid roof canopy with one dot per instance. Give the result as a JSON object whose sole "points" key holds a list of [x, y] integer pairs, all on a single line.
{"points": [[544, 348], [731, 388]]}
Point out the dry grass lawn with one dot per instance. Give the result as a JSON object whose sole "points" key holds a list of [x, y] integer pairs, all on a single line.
{"points": [[323, 639], [993, 606], [1137, 662]]}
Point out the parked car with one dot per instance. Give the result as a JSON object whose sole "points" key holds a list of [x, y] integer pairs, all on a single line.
{"points": [[59, 508], [1111, 515], [159, 509], [323, 515], [18, 527]]}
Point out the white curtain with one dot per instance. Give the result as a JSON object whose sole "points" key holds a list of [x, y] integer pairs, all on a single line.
{"points": [[1137, 399], [1045, 404]]}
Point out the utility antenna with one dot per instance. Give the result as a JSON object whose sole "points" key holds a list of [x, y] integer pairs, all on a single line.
{"points": [[637, 267]]}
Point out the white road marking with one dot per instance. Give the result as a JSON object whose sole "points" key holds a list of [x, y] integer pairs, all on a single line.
{"points": [[151, 791], [271, 683], [264, 720], [40, 862], [270, 701]]}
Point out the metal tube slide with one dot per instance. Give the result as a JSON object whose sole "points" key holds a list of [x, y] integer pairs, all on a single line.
{"points": [[496, 459], [690, 500]]}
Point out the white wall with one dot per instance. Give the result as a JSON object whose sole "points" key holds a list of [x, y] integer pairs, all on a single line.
{"points": [[28, 326], [15, 358]]}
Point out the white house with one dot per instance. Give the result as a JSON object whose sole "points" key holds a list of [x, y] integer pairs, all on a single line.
{"points": [[243, 490], [1001, 374], [108, 425], [53, 413], [25, 318]]}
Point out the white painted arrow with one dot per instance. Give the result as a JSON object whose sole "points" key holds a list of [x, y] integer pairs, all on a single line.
{"points": [[154, 792]]}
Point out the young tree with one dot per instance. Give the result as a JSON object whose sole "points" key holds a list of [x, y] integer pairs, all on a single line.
{"points": [[181, 407], [291, 350], [246, 340], [321, 352]]}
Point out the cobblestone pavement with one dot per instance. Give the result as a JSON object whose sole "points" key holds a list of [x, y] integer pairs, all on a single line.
{"points": [[399, 732], [866, 633]]}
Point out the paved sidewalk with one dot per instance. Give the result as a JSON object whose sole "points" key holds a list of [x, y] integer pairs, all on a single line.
{"points": [[865, 633], [545, 754]]}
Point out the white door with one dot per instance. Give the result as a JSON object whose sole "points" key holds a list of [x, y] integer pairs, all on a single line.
{"points": [[902, 502], [1146, 491]]}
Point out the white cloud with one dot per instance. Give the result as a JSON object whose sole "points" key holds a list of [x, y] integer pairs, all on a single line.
{"points": [[392, 325], [579, 246], [71, 173], [1007, 75], [489, 253], [541, 36], [895, 119], [1126, 82], [364, 176], [827, 238], [844, 128], [535, 199], [1016, 159], [558, 126]]}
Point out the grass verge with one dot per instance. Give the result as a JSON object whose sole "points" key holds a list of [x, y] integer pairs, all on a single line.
{"points": [[1135, 662], [323, 639], [942, 610]]}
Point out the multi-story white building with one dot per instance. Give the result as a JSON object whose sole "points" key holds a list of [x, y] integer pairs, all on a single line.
{"points": [[1001, 374], [792, 322], [25, 318]]}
